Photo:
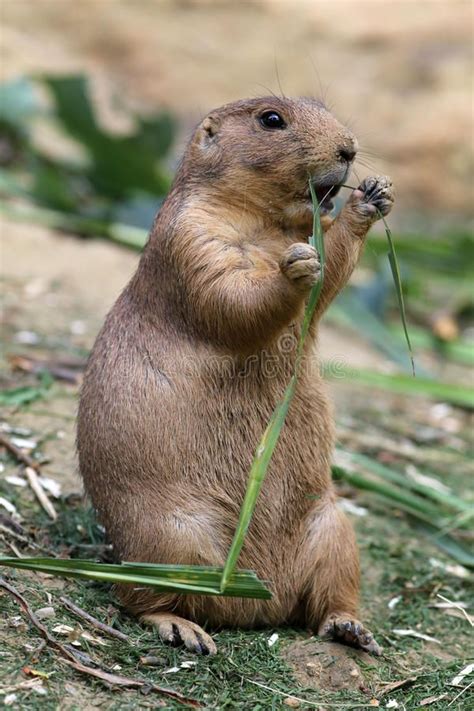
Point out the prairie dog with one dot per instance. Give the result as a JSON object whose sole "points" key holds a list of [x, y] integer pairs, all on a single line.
{"points": [[178, 388]]}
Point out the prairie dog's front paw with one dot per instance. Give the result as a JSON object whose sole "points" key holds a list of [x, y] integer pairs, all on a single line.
{"points": [[300, 263], [373, 197]]}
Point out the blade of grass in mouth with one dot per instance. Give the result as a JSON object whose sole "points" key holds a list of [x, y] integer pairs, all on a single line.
{"points": [[268, 442]]}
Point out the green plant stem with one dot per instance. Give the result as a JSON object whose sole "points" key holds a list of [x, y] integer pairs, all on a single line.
{"points": [[267, 444], [392, 258]]}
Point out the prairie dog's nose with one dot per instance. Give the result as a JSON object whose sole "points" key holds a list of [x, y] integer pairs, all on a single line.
{"points": [[348, 151]]}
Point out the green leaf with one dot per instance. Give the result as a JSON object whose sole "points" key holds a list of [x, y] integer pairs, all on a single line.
{"points": [[441, 497], [51, 186], [157, 133], [413, 505], [392, 258], [120, 164], [18, 102], [16, 397], [182, 579]]}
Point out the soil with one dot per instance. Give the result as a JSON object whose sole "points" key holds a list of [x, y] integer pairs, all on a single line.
{"points": [[326, 665]]}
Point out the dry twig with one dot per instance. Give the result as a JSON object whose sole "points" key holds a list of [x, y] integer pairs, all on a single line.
{"points": [[20, 454], [67, 369], [39, 492], [457, 607], [69, 658], [11, 528], [106, 629]]}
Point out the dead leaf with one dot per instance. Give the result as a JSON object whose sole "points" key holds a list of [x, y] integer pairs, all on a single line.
{"points": [[401, 683], [417, 635], [28, 671], [130, 683], [431, 700]]}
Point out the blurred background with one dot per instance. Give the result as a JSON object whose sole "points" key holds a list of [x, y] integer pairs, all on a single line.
{"points": [[97, 101]]}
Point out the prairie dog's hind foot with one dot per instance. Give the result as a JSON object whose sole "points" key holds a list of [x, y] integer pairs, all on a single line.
{"points": [[373, 196], [177, 631], [344, 628]]}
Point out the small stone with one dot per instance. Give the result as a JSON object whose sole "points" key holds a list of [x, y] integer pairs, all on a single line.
{"points": [[311, 669], [77, 328], [45, 613], [150, 660], [27, 338], [292, 702], [354, 672]]}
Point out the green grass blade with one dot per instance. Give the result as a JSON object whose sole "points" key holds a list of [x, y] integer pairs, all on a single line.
{"points": [[392, 258], [165, 578], [416, 507], [448, 545], [267, 444], [458, 351], [444, 498], [412, 504], [406, 384], [257, 474]]}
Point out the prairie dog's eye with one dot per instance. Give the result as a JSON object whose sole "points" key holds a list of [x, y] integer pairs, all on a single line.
{"points": [[272, 119]]}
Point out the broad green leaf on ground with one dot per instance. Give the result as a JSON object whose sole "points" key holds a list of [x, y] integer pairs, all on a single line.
{"points": [[166, 578]]}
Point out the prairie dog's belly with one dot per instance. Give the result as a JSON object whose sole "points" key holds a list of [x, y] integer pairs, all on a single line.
{"points": [[191, 433]]}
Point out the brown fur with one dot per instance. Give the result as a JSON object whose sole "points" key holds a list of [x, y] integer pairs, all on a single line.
{"points": [[197, 352]]}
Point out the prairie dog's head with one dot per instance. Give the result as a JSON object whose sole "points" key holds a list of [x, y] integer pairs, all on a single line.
{"points": [[265, 150]]}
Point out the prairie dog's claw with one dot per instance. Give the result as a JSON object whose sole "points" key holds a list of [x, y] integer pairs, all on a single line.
{"points": [[347, 630], [176, 631], [373, 196]]}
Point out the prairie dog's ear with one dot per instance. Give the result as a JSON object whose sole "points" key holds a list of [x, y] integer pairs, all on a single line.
{"points": [[207, 131]]}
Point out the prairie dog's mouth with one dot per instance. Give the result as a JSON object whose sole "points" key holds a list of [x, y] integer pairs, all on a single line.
{"points": [[324, 195]]}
